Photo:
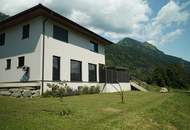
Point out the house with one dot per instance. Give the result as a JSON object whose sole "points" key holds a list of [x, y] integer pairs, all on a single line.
{"points": [[39, 46]]}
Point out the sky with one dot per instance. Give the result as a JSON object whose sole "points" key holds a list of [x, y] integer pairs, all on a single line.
{"points": [[163, 23]]}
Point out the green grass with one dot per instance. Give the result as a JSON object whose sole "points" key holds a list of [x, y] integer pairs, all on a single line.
{"points": [[142, 111]]}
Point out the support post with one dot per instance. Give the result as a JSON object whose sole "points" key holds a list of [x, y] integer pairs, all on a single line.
{"points": [[43, 52]]}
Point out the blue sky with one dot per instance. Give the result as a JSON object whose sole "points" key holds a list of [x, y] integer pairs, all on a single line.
{"points": [[163, 23], [179, 47]]}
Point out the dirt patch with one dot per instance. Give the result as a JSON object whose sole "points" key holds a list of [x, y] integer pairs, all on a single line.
{"points": [[109, 109]]}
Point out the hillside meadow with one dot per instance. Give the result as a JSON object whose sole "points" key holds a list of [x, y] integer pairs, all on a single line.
{"points": [[141, 111]]}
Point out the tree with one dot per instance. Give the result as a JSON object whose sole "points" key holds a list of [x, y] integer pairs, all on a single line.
{"points": [[158, 77], [172, 75]]}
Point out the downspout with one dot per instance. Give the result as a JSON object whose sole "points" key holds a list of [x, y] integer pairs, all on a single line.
{"points": [[43, 52]]}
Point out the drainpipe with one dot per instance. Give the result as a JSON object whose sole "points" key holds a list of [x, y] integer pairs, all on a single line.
{"points": [[43, 52]]}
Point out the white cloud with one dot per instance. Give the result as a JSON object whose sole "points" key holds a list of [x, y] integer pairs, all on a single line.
{"points": [[111, 16], [171, 13], [80, 17], [14, 6], [170, 36], [170, 17], [114, 16], [115, 19]]}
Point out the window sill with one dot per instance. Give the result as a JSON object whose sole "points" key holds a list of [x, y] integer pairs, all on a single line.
{"points": [[76, 81], [56, 80], [19, 67], [94, 51], [92, 81], [27, 38], [7, 69]]}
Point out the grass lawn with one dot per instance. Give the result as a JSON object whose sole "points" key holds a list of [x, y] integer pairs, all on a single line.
{"points": [[142, 111]]}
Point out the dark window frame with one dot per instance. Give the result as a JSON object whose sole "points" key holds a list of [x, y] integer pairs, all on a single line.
{"points": [[60, 33], [26, 31], [56, 77], [90, 79], [21, 61], [74, 79], [8, 64], [102, 73], [2, 39], [95, 46]]}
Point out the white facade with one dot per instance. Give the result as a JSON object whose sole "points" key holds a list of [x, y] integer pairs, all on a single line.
{"points": [[77, 48], [41, 41], [15, 47]]}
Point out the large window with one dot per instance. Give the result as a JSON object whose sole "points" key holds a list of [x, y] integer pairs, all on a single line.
{"points": [[102, 73], [60, 33], [20, 62], [25, 31], [92, 73], [2, 39], [56, 68], [76, 70], [8, 64], [94, 46]]}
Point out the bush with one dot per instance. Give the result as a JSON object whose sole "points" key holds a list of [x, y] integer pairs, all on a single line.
{"points": [[62, 89], [97, 89], [80, 90], [56, 90], [69, 92], [65, 112], [76, 92], [47, 94], [91, 89], [85, 90], [61, 92]]}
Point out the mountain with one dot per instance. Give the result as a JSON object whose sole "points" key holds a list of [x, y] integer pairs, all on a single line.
{"points": [[3, 16], [141, 58]]}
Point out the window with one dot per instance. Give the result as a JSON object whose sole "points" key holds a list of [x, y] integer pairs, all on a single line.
{"points": [[20, 62], [92, 73], [56, 68], [60, 34], [25, 31], [94, 46], [2, 39], [8, 64], [76, 70]]}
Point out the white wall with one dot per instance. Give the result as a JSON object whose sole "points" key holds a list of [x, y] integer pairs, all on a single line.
{"points": [[15, 47], [77, 48], [109, 88]]}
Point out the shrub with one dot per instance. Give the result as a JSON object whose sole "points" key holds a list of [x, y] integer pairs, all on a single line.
{"points": [[92, 90], [47, 94], [85, 90], [76, 92], [80, 88], [61, 92], [62, 89], [65, 112], [97, 89], [69, 92]]}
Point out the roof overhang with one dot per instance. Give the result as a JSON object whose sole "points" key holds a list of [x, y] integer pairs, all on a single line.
{"points": [[41, 10]]}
